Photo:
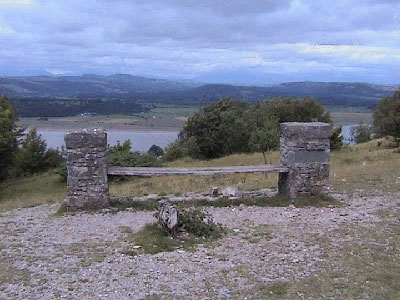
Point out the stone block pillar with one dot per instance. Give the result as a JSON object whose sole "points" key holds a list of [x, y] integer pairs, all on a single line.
{"points": [[87, 185], [305, 149]]}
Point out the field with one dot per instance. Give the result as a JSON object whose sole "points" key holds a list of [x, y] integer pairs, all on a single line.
{"points": [[371, 167], [346, 250], [166, 117], [162, 117]]}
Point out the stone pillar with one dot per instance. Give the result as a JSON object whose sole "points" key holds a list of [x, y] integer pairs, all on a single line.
{"points": [[87, 184], [305, 149]]}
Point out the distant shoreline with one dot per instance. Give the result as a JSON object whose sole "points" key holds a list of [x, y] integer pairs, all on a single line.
{"points": [[105, 122]]}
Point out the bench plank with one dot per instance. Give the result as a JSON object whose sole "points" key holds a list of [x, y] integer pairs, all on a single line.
{"points": [[195, 171]]}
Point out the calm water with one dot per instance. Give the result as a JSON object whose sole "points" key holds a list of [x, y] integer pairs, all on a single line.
{"points": [[141, 140]]}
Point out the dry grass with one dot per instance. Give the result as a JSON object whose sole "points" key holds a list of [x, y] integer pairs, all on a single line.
{"points": [[136, 186], [31, 191], [366, 166]]}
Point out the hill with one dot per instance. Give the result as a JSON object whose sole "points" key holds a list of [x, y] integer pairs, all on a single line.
{"points": [[147, 91]]}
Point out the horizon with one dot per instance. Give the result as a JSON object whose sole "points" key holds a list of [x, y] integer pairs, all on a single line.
{"points": [[198, 82], [234, 42]]}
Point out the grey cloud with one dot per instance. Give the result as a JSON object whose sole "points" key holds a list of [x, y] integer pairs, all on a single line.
{"points": [[191, 38]]}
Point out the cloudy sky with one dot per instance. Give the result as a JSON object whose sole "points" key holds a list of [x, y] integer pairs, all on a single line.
{"points": [[238, 41]]}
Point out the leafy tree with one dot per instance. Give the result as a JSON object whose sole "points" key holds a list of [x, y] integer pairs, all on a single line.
{"points": [[156, 150], [8, 137], [218, 130], [386, 117], [34, 157], [231, 126], [336, 140], [264, 138], [361, 133]]}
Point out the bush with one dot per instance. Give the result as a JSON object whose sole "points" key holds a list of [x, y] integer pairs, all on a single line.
{"points": [[199, 223], [386, 116], [174, 151], [336, 140], [361, 133], [9, 135], [121, 155], [156, 151]]}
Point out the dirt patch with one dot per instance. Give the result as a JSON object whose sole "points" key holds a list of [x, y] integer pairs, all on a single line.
{"points": [[268, 253]]}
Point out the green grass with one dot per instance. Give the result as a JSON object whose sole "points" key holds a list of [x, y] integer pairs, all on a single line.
{"points": [[31, 191], [154, 239], [275, 201]]}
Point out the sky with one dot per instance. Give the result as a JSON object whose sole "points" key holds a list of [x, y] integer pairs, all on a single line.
{"points": [[227, 41]]}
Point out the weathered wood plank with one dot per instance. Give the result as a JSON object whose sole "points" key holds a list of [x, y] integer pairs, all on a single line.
{"points": [[195, 171]]}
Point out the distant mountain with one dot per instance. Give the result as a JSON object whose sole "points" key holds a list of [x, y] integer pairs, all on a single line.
{"points": [[86, 86], [328, 93], [151, 90]]}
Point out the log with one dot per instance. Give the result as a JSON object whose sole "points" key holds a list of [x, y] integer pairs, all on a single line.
{"points": [[195, 171]]}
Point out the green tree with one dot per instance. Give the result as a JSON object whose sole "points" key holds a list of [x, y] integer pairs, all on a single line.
{"points": [[121, 155], [361, 133], [231, 126], [386, 117], [265, 138], [8, 137], [156, 151], [218, 130], [32, 154], [336, 140]]}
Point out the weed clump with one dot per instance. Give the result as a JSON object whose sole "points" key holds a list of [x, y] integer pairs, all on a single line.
{"points": [[193, 227]]}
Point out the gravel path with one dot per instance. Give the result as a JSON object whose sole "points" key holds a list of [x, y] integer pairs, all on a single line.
{"points": [[80, 256]]}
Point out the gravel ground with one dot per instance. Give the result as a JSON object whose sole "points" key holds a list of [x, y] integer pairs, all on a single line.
{"points": [[81, 256]]}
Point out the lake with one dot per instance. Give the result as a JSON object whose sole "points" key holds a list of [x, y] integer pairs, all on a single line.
{"points": [[141, 140]]}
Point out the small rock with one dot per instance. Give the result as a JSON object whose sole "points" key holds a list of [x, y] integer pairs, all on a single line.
{"points": [[231, 191]]}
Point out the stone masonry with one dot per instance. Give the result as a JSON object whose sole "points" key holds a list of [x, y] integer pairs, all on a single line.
{"points": [[87, 185], [305, 149]]}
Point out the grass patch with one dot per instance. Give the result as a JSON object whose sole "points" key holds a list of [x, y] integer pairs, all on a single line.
{"points": [[62, 209], [275, 201], [154, 239], [11, 275], [31, 191]]}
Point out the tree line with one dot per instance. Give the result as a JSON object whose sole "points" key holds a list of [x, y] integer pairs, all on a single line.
{"points": [[48, 107], [221, 128], [22, 154], [230, 126]]}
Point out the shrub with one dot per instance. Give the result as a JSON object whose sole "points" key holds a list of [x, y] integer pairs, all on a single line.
{"points": [[121, 155], [336, 141], [8, 137], [174, 151], [156, 151], [386, 116], [361, 133], [199, 223]]}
